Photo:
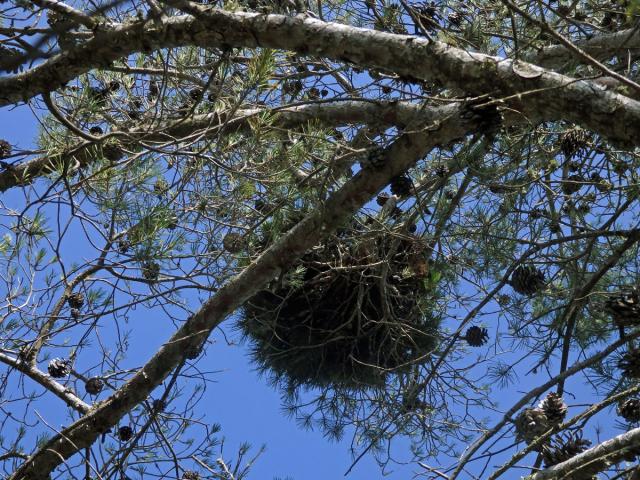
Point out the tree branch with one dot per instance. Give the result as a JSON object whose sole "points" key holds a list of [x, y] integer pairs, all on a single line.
{"points": [[335, 113], [596, 459], [66, 394], [600, 47], [529, 89], [401, 155]]}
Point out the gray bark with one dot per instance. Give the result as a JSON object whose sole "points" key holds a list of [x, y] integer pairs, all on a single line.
{"points": [[530, 90]]}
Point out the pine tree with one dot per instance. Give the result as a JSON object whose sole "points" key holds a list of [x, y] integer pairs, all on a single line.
{"points": [[404, 211]]}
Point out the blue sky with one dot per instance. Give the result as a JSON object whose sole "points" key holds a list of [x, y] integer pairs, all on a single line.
{"points": [[247, 408]]}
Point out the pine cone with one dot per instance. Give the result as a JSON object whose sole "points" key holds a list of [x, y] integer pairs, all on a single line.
{"points": [[376, 159], [630, 364], [114, 86], [94, 385], [631, 454], [624, 308], [564, 447], [530, 424], [11, 60], [455, 18], [123, 245], [194, 351], [538, 213], [125, 433], [292, 87], [572, 184], [485, 114], [441, 170], [161, 186], [554, 408], [427, 13], [5, 149], [195, 94], [382, 199], [154, 90], [261, 206], [574, 166], [96, 130], [233, 242], [476, 336], [630, 410], [59, 367], [527, 280], [150, 271], [573, 142], [190, 475], [159, 405], [401, 186], [76, 300], [498, 188]]}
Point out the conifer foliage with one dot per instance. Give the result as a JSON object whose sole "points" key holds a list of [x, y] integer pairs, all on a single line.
{"points": [[419, 221]]}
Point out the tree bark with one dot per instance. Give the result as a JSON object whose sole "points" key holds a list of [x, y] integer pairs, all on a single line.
{"points": [[526, 88]]}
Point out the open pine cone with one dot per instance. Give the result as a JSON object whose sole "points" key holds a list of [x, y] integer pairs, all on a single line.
{"points": [[564, 447], [630, 364], [530, 424], [76, 300], [59, 367], [630, 410], [94, 385], [401, 186], [476, 336], [554, 408], [624, 307]]}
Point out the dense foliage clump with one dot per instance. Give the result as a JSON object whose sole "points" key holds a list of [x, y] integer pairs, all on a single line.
{"points": [[348, 313]]}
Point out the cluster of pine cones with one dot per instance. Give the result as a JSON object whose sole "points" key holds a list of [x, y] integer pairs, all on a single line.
{"points": [[61, 367], [533, 422]]}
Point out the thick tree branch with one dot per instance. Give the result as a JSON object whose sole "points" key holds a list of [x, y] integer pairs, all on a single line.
{"points": [[529, 89], [600, 47], [574, 49], [330, 114], [402, 154], [594, 460]]}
